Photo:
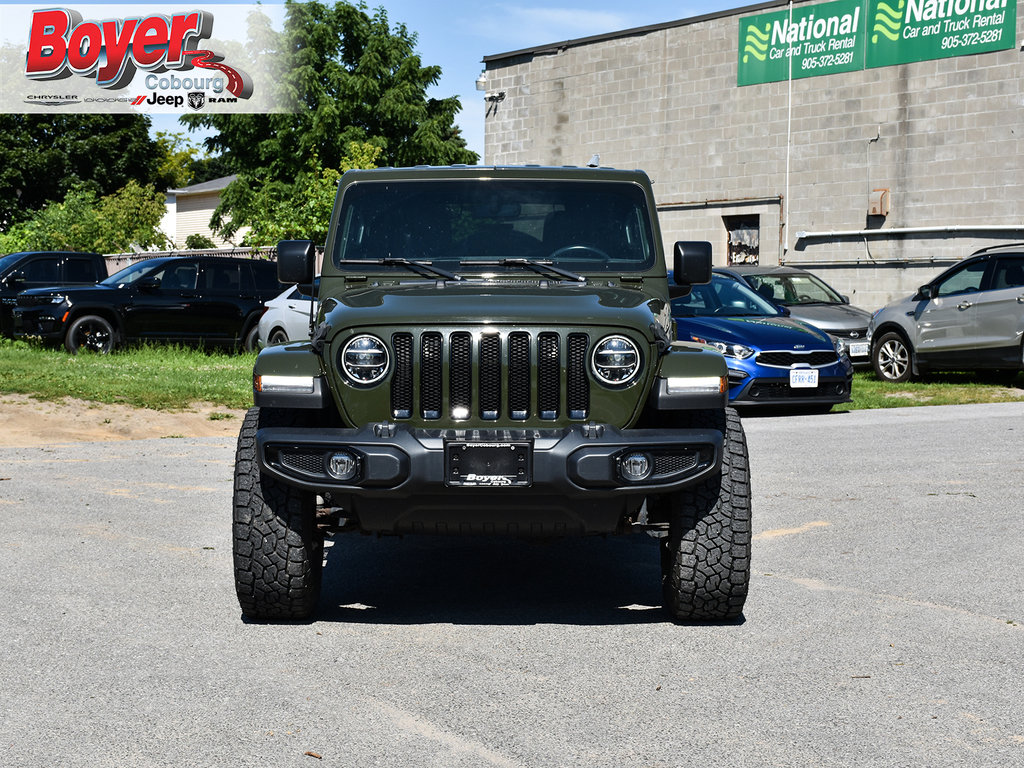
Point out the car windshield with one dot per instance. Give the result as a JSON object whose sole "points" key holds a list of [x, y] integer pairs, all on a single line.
{"points": [[133, 272], [460, 225], [791, 289], [6, 261], [723, 297]]}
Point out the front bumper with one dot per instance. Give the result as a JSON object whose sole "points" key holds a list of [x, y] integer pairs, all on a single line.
{"points": [[569, 480], [762, 390], [45, 322]]}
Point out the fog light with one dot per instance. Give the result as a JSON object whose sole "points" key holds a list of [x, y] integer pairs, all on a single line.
{"points": [[343, 465], [635, 467]]}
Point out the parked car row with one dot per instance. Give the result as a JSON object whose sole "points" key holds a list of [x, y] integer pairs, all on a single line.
{"points": [[187, 299], [787, 335]]}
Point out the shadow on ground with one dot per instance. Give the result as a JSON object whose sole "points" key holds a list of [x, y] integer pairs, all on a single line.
{"points": [[417, 580]]}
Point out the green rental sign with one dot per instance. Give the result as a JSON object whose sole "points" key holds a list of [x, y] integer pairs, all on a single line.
{"points": [[816, 40], [904, 31], [848, 35]]}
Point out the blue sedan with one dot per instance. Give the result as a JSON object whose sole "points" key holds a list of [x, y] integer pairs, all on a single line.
{"points": [[773, 359]]}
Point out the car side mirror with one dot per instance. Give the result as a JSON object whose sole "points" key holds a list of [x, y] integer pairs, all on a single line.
{"points": [[926, 292], [845, 298], [148, 284], [784, 310], [691, 262], [15, 280], [295, 261]]}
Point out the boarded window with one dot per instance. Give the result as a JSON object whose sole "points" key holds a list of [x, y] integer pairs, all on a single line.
{"points": [[744, 238]]}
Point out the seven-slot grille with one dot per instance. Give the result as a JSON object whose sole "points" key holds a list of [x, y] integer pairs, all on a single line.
{"points": [[518, 374]]}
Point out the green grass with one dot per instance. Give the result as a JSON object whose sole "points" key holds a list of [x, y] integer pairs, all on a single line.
{"points": [[172, 378], [936, 389], [159, 377]]}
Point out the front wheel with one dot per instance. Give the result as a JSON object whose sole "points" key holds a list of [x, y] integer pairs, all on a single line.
{"points": [[91, 333], [278, 549], [890, 357], [705, 558]]}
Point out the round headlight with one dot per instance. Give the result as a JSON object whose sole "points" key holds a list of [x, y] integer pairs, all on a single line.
{"points": [[615, 361], [364, 359]]}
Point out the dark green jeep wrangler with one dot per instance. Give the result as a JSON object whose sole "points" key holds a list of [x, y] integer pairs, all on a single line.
{"points": [[492, 354]]}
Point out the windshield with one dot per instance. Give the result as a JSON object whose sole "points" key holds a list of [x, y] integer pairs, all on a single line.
{"points": [[794, 288], [723, 297], [459, 224], [6, 261], [133, 272]]}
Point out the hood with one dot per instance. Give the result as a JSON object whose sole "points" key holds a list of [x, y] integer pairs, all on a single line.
{"points": [[762, 332], [71, 291], [831, 318], [497, 303]]}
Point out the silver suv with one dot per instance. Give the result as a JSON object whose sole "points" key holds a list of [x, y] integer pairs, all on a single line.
{"points": [[969, 317]]}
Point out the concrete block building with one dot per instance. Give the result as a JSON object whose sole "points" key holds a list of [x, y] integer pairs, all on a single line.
{"points": [[872, 141]]}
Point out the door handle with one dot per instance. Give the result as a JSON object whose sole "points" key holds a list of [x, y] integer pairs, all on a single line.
{"points": [[964, 305], [1020, 299]]}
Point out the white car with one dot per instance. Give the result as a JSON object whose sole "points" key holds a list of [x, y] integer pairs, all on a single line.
{"points": [[287, 317]]}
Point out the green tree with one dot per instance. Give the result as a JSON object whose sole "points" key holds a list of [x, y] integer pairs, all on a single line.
{"points": [[83, 221], [44, 157], [303, 211], [352, 78]]}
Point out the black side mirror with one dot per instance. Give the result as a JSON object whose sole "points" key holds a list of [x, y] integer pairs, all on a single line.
{"points": [[295, 261], [926, 292], [148, 284], [692, 262]]}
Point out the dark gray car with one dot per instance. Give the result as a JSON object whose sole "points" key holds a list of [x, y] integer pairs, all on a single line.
{"points": [[970, 317], [811, 299]]}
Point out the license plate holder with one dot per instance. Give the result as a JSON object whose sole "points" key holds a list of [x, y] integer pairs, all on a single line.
{"points": [[803, 378], [502, 464]]}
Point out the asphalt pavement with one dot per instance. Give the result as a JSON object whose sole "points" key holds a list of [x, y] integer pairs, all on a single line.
{"points": [[883, 626]]}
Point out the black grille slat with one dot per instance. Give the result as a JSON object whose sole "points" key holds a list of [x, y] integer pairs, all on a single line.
{"points": [[784, 359], [577, 389], [401, 382], [518, 375], [460, 369], [548, 376], [490, 376], [430, 375]]}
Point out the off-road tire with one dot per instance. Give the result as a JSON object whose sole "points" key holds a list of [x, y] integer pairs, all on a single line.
{"points": [[91, 333], [278, 550], [705, 558]]}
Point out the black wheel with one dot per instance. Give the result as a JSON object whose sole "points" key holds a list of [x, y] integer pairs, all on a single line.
{"points": [[91, 333], [252, 339], [277, 336], [705, 559], [890, 356], [278, 550]]}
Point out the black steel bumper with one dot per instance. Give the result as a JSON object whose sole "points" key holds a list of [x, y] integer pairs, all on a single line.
{"points": [[571, 480]]}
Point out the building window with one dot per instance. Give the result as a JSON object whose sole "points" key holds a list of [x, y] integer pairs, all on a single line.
{"points": [[744, 238]]}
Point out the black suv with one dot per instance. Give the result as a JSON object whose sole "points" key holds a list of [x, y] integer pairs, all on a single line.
{"points": [[36, 269], [187, 299]]}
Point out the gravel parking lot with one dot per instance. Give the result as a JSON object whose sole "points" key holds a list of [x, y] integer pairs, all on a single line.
{"points": [[883, 628]]}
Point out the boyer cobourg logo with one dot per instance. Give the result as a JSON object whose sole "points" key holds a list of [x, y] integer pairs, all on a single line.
{"points": [[110, 52]]}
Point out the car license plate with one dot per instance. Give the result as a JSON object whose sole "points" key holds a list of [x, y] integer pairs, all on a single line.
{"points": [[487, 465], [803, 377], [858, 350]]}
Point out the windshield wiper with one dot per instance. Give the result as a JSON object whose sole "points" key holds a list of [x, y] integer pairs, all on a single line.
{"points": [[419, 267], [540, 267]]}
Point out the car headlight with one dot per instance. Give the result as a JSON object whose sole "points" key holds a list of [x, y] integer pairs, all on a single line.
{"points": [[839, 346], [364, 359], [739, 351], [615, 361]]}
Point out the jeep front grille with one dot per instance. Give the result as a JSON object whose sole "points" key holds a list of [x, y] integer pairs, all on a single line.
{"points": [[517, 374]]}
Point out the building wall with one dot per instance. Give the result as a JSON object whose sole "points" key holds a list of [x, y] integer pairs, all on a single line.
{"points": [[946, 137]]}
